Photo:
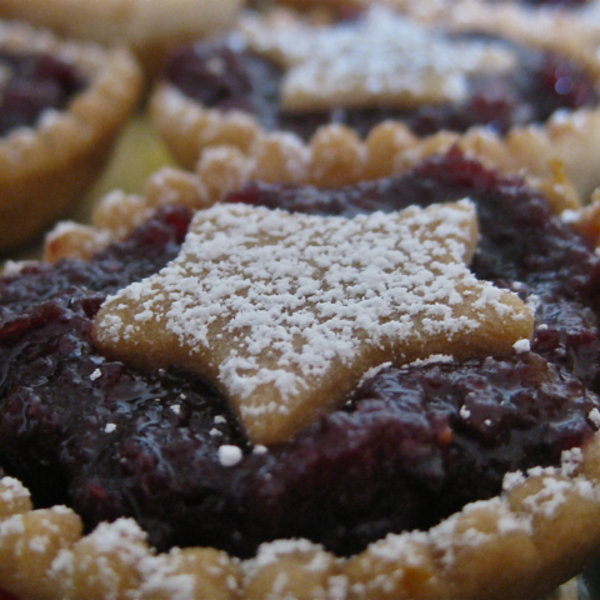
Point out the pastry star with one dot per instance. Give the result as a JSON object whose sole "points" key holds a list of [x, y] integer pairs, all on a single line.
{"points": [[381, 59], [286, 312]]}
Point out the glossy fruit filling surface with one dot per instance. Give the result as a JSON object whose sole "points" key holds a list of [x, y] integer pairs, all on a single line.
{"points": [[543, 83], [411, 446], [32, 84]]}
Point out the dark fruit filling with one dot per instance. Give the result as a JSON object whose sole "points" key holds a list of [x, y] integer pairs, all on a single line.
{"points": [[31, 84], [228, 78], [410, 447]]}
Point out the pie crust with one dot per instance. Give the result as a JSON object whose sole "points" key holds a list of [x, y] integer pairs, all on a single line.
{"points": [[44, 169], [569, 138], [148, 27], [540, 531]]}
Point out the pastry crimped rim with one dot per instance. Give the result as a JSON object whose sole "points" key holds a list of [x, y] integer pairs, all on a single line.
{"points": [[335, 157], [148, 27], [43, 169], [569, 137], [540, 531]]}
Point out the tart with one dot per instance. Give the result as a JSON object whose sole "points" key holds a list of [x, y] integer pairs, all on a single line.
{"points": [[315, 82], [62, 105], [495, 434], [148, 27]]}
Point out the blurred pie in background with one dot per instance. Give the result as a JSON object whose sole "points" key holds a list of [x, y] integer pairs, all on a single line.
{"points": [[62, 104]]}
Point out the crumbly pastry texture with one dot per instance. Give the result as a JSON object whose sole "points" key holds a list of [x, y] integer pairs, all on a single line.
{"points": [[572, 29], [44, 169], [427, 11], [148, 27], [325, 70]]}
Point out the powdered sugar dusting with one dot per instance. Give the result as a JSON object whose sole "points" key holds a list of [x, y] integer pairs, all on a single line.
{"points": [[400, 547], [522, 346], [381, 58], [550, 498], [161, 576], [270, 553], [464, 530], [13, 526], [594, 417], [122, 537], [276, 307], [12, 492]]}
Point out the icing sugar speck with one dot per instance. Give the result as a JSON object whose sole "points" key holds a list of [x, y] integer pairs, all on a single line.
{"points": [[522, 346], [229, 455], [594, 417]]}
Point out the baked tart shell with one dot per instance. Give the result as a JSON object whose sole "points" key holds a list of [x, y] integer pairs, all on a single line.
{"points": [[44, 169]]}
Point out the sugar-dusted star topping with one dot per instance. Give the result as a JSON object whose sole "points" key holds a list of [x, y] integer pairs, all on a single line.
{"points": [[383, 59], [286, 312]]}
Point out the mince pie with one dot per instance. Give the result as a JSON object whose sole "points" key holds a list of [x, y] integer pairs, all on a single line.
{"points": [[280, 73], [61, 105], [386, 389], [148, 27]]}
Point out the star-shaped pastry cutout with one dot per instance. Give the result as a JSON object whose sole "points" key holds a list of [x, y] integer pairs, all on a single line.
{"points": [[381, 59], [285, 313]]}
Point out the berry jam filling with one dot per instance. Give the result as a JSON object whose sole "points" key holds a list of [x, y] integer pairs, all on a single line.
{"points": [[543, 83], [31, 84], [411, 446]]}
